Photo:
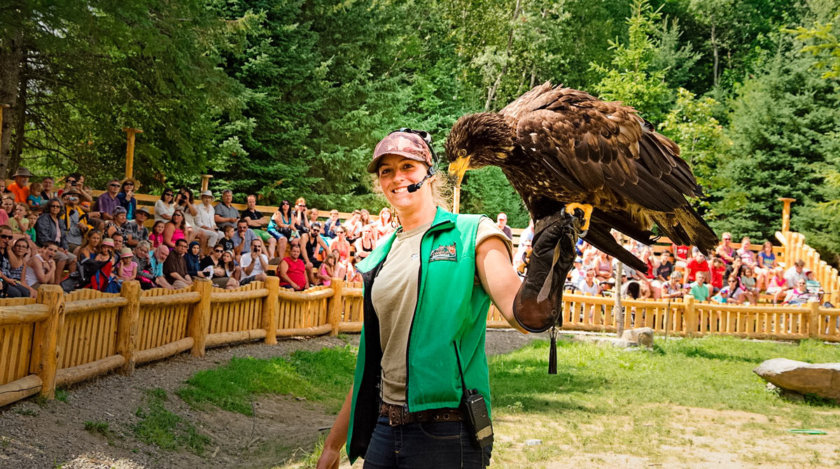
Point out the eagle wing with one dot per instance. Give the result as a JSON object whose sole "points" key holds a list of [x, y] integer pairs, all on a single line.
{"points": [[604, 154]]}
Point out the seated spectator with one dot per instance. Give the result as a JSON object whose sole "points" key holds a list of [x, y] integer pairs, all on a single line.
{"points": [[717, 272], [127, 269], [312, 245], [798, 295], [662, 272], [333, 222], [300, 221], [213, 267], [15, 268], [126, 198], [205, 222], [725, 251], [48, 189], [107, 202], [501, 222], [672, 288], [119, 243], [75, 219], [106, 262], [382, 227], [748, 284], [731, 293], [231, 269], [328, 269], [255, 223], [603, 266], [144, 265], [813, 286], [766, 263], [156, 263], [156, 236], [40, 268], [20, 188], [681, 254], [20, 221], [746, 254], [193, 259], [280, 228], [118, 223], [699, 289], [698, 263], [523, 256], [176, 229], [314, 214], [795, 273], [254, 263], [86, 194], [589, 284], [10, 287], [185, 202], [365, 244], [7, 209], [353, 226], [352, 275], [226, 214], [71, 184], [364, 218], [777, 285], [341, 244], [135, 230], [292, 271], [90, 246], [242, 238], [34, 199], [49, 227], [227, 238], [165, 206], [175, 266], [576, 274]]}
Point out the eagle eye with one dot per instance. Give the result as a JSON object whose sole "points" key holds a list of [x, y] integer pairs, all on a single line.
{"points": [[462, 153]]}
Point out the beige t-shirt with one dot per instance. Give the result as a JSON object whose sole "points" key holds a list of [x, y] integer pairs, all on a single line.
{"points": [[394, 297]]}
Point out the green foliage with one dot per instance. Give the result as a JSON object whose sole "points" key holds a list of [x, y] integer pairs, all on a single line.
{"points": [[161, 427], [321, 376], [488, 191], [97, 426]]}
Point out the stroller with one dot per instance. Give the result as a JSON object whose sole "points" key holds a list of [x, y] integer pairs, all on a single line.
{"points": [[86, 270]]}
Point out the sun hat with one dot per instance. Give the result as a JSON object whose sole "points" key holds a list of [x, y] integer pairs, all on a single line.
{"points": [[207, 193], [126, 252], [21, 171], [108, 242], [144, 210], [406, 144]]}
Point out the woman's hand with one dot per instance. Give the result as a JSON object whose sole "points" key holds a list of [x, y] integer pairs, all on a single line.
{"points": [[329, 459]]}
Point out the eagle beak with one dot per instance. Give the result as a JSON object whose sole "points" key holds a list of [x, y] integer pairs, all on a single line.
{"points": [[459, 167]]}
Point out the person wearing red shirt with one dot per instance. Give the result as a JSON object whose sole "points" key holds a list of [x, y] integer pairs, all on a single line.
{"points": [[292, 270], [718, 270], [697, 264], [20, 188]]}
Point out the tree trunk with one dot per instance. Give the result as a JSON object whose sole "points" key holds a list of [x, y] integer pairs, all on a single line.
{"points": [[20, 120], [491, 92], [11, 56], [717, 58]]}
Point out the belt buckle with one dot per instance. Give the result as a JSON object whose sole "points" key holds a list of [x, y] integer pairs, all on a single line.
{"points": [[397, 415]]}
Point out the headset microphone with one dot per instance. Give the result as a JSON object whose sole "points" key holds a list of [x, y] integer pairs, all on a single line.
{"points": [[417, 185]]}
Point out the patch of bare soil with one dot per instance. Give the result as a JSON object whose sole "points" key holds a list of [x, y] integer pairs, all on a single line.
{"points": [[35, 434]]}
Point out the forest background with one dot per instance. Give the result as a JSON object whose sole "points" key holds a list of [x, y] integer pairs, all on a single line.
{"points": [[287, 98]]}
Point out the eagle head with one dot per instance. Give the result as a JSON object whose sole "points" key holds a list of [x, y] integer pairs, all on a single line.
{"points": [[478, 140]]}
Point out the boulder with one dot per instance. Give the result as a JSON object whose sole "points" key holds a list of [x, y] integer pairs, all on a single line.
{"points": [[642, 336], [819, 379]]}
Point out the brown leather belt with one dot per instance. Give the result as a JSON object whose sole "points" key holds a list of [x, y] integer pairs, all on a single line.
{"points": [[398, 415]]}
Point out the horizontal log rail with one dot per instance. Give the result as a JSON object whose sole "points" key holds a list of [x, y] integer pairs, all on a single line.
{"points": [[23, 314], [86, 306]]}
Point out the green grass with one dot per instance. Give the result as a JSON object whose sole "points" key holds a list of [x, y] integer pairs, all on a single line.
{"points": [[165, 429], [96, 426], [323, 376], [61, 395]]}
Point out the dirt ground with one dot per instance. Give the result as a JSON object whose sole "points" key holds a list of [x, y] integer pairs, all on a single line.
{"points": [[51, 434]]}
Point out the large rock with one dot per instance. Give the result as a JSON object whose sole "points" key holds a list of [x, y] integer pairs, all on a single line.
{"points": [[820, 379], [642, 336]]}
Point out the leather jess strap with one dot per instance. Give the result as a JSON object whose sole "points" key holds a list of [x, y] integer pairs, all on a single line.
{"points": [[398, 415]]}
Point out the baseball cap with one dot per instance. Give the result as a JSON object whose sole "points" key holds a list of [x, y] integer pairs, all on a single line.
{"points": [[406, 144]]}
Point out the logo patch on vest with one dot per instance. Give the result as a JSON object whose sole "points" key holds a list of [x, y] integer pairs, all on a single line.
{"points": [[444, 253]]}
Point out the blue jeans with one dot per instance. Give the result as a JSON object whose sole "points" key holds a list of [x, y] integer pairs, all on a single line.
{"points": [[424, 445]]}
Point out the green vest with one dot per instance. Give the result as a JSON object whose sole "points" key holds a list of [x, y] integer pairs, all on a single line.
{"points": [[450, 317]]}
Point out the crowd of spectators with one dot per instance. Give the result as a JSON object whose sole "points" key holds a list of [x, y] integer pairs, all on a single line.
{"points": [[727, 275], [68, 236]]}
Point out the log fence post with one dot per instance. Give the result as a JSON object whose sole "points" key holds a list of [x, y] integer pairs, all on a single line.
{"points": [[814, 320], [270, 307], [47, 335], [335, 306], [127, 325], [691, 322], [198, 322]]}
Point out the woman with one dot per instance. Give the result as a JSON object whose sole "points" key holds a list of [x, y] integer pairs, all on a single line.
{"points": [[798, 295], [340, 243], [193, 259], [731, 293], [353, 226], [7, 207], [365, 244], [127, 199], [331, 224], [15, 269], [90, 245], [777, 285], [214, 269], [766, 263], [280, 228], [176, 229], [445, 335], [165, 206], [300, 221], [385, 225], [230, 267], [186, 204]]}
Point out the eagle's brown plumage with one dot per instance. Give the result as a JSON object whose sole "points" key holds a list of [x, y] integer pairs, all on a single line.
{"points": [[558, 145]]}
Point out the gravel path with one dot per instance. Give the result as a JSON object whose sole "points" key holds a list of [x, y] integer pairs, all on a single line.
{"points": [[51, 434]]}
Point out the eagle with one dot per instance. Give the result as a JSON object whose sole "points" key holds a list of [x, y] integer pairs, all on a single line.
{"points": [[563, 150]]}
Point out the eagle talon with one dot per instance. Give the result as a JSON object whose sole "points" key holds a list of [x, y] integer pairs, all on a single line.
{"points": [[584, 218]]}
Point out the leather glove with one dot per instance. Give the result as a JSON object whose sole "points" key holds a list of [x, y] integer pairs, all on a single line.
{"points": [[538, 304]]}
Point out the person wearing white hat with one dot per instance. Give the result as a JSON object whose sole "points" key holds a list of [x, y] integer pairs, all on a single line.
{"points": [[205, 223]]}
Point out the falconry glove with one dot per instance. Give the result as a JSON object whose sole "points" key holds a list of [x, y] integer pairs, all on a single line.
{"points": [[538, 303]]}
